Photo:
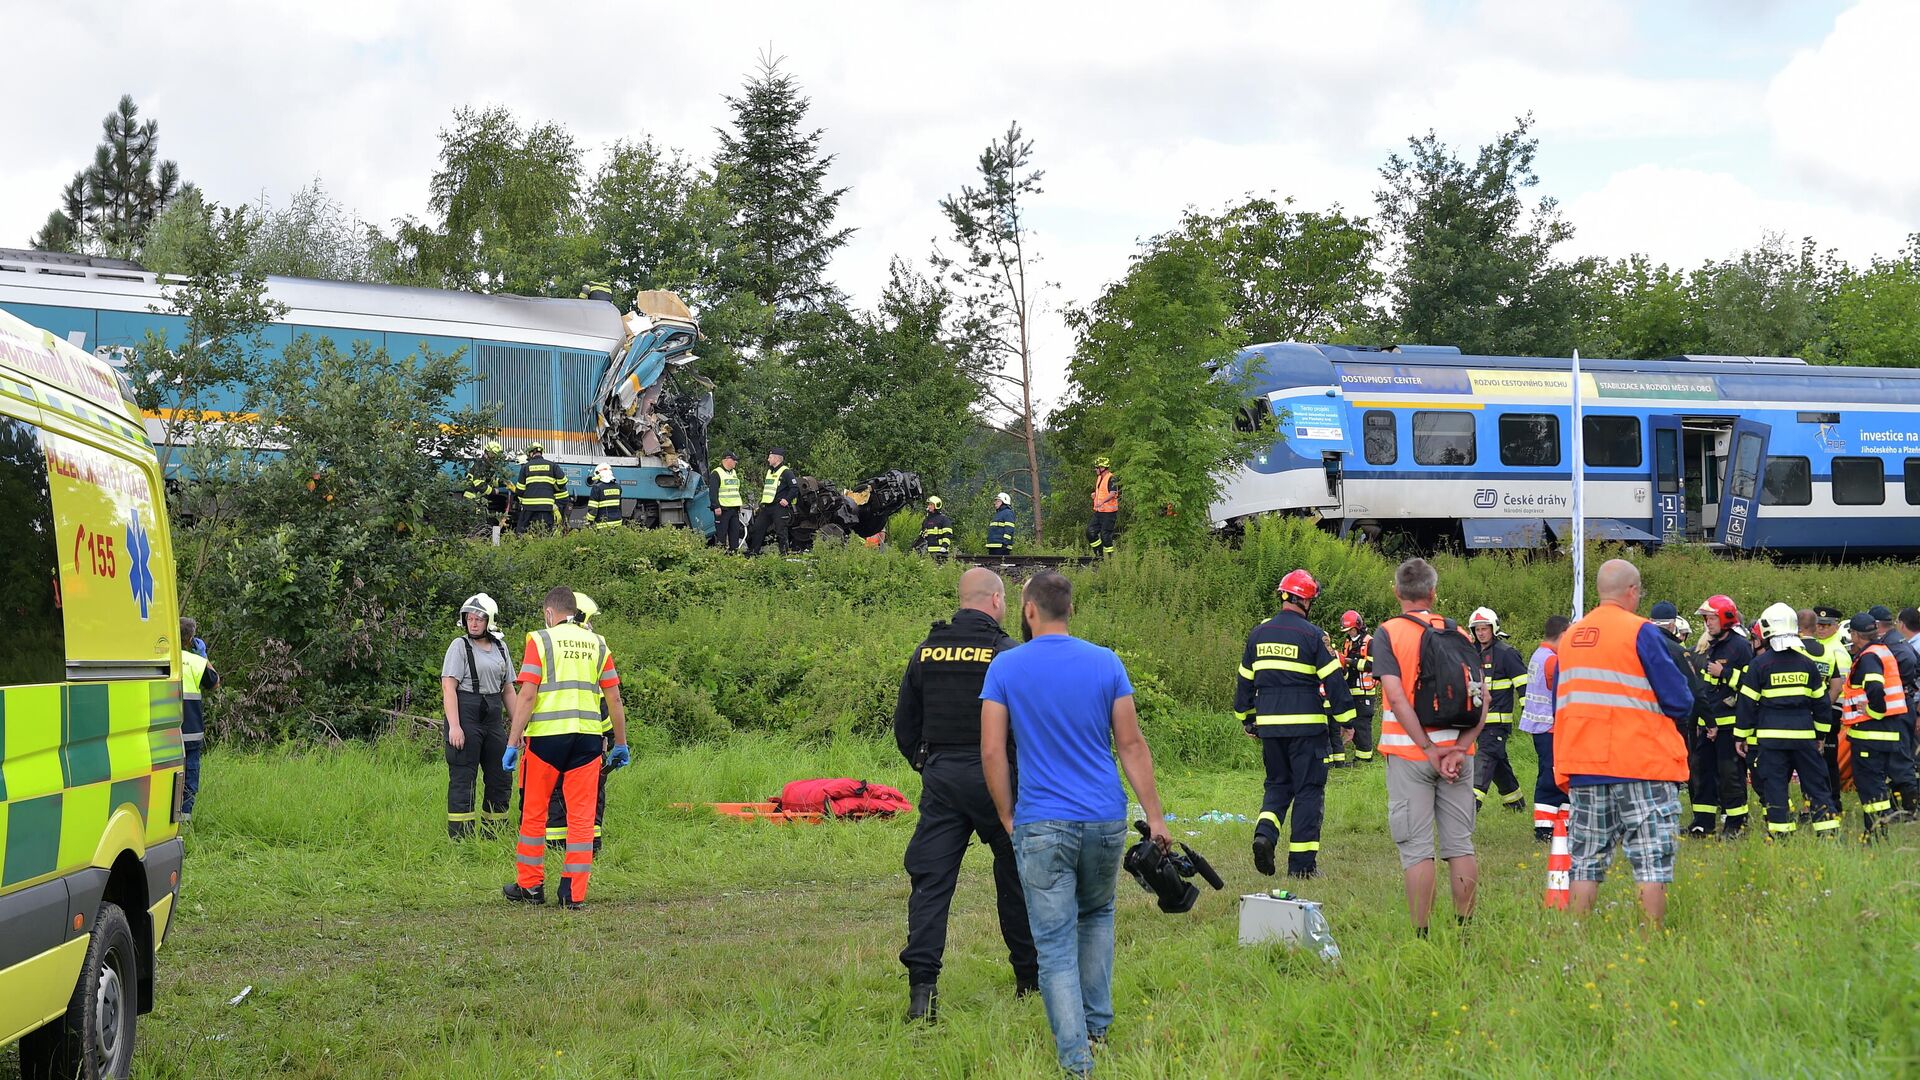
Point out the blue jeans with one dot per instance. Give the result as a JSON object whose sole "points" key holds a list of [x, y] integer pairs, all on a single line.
{"points": [[1068, 870]]}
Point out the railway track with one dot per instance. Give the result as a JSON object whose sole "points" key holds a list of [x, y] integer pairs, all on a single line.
{"points": [[1025, 562]]}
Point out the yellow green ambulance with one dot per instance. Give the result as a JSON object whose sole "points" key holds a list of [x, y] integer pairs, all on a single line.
{"points": [[90, 748]]}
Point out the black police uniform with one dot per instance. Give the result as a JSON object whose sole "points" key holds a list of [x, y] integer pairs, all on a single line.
{"points": [[1506, 678], [1783, 712], [1284, 671], [1716, 776], [936, 723]]}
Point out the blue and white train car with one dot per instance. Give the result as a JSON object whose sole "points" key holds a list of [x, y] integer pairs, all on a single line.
{"points": [[1740, 452], [539, 359]]}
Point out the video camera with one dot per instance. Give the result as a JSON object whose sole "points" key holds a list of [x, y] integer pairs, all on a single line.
{"points": [[1164, 873]]}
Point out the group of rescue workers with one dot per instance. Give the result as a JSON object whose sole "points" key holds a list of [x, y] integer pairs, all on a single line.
{"points": [[536, 497]]}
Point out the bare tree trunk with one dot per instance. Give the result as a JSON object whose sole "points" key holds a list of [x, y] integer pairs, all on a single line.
{"points": [[1026, 386]]}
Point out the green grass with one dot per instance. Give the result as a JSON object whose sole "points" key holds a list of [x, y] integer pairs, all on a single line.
{"points": [[374, 947]]}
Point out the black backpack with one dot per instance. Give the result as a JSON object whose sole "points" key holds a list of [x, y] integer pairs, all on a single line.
{"points": [[1449, 692]]}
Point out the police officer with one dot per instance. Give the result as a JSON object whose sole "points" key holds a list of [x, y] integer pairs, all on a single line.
{"points": [[723, 498], [1717, 775], [936, 723], [1356, 666], [1783, 712], [1505, 675], [1829, 637], [776, 503], [1284, 671], [603, 499], [936, 530], [1000, 529], [542, 489]]}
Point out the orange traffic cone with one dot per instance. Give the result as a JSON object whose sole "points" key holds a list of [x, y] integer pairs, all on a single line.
{"points": [[1559, 866]]}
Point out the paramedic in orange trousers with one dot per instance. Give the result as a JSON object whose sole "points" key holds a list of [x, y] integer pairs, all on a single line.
{"points": [[936, 723]]}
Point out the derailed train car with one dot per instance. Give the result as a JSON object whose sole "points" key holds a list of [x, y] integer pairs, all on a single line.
{"points": [[589, 383], [1731, 451]]}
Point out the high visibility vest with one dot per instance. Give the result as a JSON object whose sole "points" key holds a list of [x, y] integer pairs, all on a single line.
{"points": [[193, 672], [1358, 665], [1874, 664], [772, 486], [1607, 719], [1403, 640], [1105, 499], [729, 487], [572, 659], [603, 506]]}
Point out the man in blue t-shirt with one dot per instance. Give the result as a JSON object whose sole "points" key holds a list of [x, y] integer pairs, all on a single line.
{"points": [[1069, 707]]}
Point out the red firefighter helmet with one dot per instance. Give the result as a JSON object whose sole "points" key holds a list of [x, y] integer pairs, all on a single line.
{"points": [[1300, 585], [1722, 608], [1351, 620]]}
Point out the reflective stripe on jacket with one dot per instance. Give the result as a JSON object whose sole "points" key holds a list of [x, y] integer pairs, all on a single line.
{"points": [[603, 506], [572, 662], [1783, 697], [1403, 641], [1289, 682], [1106, 494], [1000, 532], [728, 487], [540, 483], [1536, 710], [770, 490], [1607, 717]]}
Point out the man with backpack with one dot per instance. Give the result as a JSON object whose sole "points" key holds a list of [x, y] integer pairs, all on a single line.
{"points": [[936, 723], [1285, 669], [1617, 750], [1429, 675]]}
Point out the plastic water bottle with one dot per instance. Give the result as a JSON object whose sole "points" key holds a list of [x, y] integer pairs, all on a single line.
{"points": [[1320, 935]]}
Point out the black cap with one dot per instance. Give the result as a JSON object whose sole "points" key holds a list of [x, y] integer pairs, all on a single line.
{"points": [[1665, 611], [729, 454], [1880, 613], [1824, 613], [781, 450], [1863, 623]]}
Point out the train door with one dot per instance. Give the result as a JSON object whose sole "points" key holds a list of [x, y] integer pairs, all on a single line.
{"points": [[1669, 521], [1704, 441], [1740, 501]]}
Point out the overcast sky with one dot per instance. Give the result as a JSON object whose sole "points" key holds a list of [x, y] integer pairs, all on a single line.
{"points": [[1685, 129]]}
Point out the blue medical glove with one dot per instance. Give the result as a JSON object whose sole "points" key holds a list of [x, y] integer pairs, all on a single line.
{"points": [[511, 758], [620, 758]]}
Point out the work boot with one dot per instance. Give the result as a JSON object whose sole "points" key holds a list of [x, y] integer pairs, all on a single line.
{"points": [[1733, 829], [923, 1002], [567, 902], [1513, 803], [535, 895], [1263, 855], [1542, 834], [1024, 985], [1698, 831], [459, 830], [1303, 871]]}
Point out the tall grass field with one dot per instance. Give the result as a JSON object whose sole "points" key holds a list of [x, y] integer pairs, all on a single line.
{"points": [[319, 874]]}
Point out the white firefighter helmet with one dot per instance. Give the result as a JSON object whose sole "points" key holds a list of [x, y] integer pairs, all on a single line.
{"points": [[1483, 617], [483, 604], [1780, 625], [603, 473]]}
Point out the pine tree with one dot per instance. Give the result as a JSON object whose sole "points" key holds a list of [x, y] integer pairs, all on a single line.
{"points": [[773, 174], [107, 206]]}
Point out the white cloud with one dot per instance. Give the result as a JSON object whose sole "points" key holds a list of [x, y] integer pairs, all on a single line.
{"points": [[1842, 111]]}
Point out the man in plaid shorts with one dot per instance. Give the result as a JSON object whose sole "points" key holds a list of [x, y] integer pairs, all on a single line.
{"points": [[1617, 750]]}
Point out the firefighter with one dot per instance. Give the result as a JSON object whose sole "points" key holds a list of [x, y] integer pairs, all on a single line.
{"points": [[936, 724], [1356, 666], [1783, 720], [776, 503], [597, 290], [1105, 523], [1873, 704], [1717, 779], [484, 477], [603, 499], [723, 498], [557, 806], [542, 490], [1284, 670], [1337, 757], [1887, 633], [565, 675], [1828, 634], [936, 531], [1536, 719], [1505, 676], [1000, 530]]}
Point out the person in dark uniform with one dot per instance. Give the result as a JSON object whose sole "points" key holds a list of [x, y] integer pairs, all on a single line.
{"points": [[1356, 666], [723, 498], [1000, 529], [542, 490], [936, 723], [603, 499], [1285, 670], [936, 530], [1718, 775], [1783, 717], [1506, 680], [776, 504]]}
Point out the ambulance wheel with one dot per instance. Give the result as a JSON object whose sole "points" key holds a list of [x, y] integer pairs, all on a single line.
{"points": [[94, 1040]]}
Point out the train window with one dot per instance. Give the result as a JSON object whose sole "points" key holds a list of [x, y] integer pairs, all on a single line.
{"points": [[1611, 442], [1789, 482], [1530, 439], [1255, 415], [1382, 441], [1858, 481], [1443, 438], [29, 562], [1913, 481], [1746, 467], [1666, 456]]}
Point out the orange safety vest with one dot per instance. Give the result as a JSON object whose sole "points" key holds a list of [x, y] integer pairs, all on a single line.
{"points": [[1404, 640], [1105, 499], [1607, 719], [1875, 663]]}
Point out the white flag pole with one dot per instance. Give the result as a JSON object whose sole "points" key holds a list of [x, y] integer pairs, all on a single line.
{"points": [[1579, 510]]}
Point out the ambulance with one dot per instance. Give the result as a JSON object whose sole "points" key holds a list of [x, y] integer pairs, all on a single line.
{"points": [[90, 748]]}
